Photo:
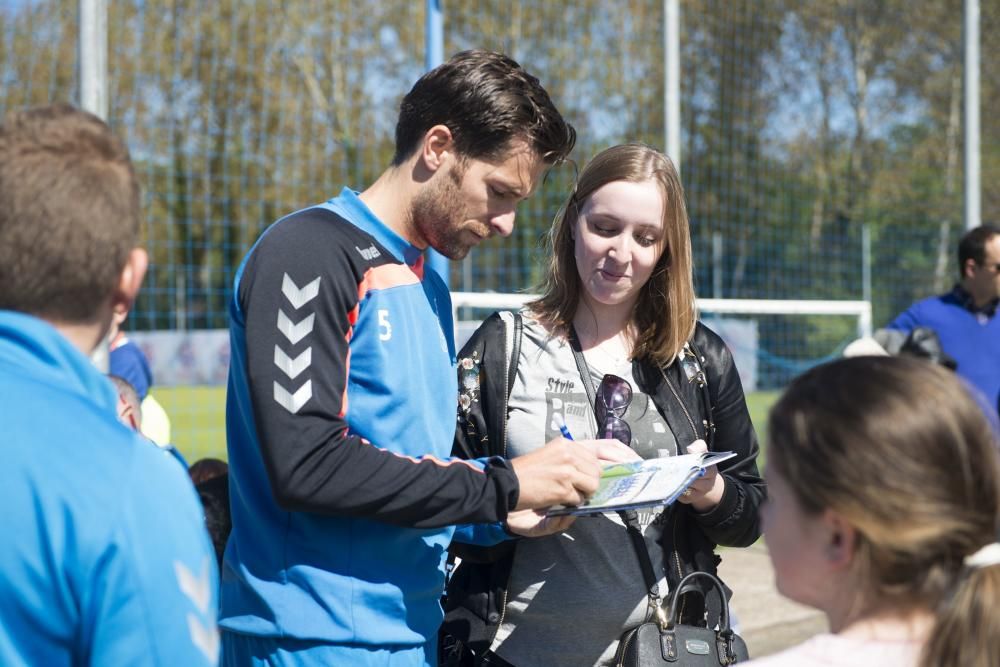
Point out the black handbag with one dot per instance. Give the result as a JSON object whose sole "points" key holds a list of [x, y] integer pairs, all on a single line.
{"points": [[666, 642]]}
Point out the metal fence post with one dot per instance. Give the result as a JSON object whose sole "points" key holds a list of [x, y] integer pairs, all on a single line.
{"points": [[973, 192], [93, 57], [672, 85]]}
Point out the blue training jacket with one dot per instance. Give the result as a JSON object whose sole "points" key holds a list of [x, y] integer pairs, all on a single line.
{"points": [[340, 420]]}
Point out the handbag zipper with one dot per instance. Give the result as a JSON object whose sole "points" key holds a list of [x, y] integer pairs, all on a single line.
{"points": [[624, 647]]}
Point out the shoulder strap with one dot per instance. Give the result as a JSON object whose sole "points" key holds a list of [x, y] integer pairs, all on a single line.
{"points": [[631, 519], [515, 352], [584, 370]]}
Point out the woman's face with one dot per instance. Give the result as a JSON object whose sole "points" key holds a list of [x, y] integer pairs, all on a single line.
{"points": [[795, 543], [618, 239]]}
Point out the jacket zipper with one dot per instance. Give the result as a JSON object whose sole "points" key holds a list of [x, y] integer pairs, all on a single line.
{"points": [[677, 396], [677, 561]]}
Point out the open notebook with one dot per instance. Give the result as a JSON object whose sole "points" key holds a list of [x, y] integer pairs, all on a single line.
{"points": [[645, 483]]}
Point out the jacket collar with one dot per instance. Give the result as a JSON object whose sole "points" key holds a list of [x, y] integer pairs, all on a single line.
{"points": [[962, 296], [35, 349]]}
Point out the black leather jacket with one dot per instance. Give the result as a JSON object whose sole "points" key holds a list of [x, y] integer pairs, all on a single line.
{"points": [[477, 591]]}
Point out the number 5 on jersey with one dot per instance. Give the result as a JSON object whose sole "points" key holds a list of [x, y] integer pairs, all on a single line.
{"points": [[384, 327]]}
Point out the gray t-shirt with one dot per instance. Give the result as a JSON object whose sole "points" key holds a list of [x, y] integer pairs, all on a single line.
{"points": [[572, 595]]}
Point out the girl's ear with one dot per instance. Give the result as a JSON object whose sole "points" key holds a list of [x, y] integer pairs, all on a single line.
{"points": [[841, 540]]}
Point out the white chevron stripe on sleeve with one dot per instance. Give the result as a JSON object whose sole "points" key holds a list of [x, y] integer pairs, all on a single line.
{"points": [[205, 638], [293, 402], [292, 367], [299, 297], [295, 332], [197, 589]]}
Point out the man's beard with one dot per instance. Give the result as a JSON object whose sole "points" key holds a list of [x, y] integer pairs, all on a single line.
{"points": [[438, 213]]}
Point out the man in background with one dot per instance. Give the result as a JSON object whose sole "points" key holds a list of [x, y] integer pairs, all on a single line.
{"points": [[85, 577], [964, 319], [343, 394], [127, 361], [130, 413]]}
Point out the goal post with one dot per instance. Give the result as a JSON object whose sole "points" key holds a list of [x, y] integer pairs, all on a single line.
{"points": [[860, 309], [772, 340]]}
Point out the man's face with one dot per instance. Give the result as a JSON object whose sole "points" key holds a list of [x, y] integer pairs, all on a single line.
{"points": [[463, 204], [983, 280]]}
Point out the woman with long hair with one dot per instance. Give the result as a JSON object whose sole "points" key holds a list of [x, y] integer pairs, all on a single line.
{"points": [[611, 348], [884, 489]]}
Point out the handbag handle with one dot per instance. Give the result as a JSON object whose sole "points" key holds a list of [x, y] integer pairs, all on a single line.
{"points": [[672, 615]]}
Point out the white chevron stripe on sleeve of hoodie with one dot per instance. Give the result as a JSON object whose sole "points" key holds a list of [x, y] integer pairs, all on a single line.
{"points": [[292, 367], [296, 296], [197, 589], [204, 636], [293, 402], [295, 332]]}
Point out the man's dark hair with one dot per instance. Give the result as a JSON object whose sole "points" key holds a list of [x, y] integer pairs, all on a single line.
{"points": [[214, 496], [69, 213], [973, 245], [486, 99], [205, 469]]}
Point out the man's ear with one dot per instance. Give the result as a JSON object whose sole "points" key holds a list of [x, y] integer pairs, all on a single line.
{"points": [[437, 148], [968, 268], [129, 282], [841, 540]]}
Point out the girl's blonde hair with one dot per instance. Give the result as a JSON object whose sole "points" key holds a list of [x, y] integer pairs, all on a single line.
{"points": [[664, 315]]}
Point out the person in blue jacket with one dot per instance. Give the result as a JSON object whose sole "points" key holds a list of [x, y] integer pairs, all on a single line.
{"points": [[104, 559], [965, 319], [342, 389]]}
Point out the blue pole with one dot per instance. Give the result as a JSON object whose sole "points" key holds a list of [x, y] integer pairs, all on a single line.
{"points": [[434, 56], [434, 47]]}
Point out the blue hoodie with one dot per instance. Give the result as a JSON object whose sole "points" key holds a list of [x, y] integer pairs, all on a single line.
{"points": [[104, 558]]}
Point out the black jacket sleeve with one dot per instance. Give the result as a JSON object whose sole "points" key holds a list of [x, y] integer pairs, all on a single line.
{"points": [[735, 520], [299, 294]]}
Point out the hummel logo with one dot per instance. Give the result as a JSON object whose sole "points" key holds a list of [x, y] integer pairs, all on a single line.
{"points": [[369, 253]]}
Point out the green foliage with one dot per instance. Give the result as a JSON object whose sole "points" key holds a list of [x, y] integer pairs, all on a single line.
{"points": [[802, 124]]}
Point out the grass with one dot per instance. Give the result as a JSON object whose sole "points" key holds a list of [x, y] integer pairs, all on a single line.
{"points": [[759, 403], [198, 418]]}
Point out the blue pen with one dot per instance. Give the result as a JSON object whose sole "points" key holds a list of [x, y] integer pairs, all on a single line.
{"points": [[562, 428]]}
